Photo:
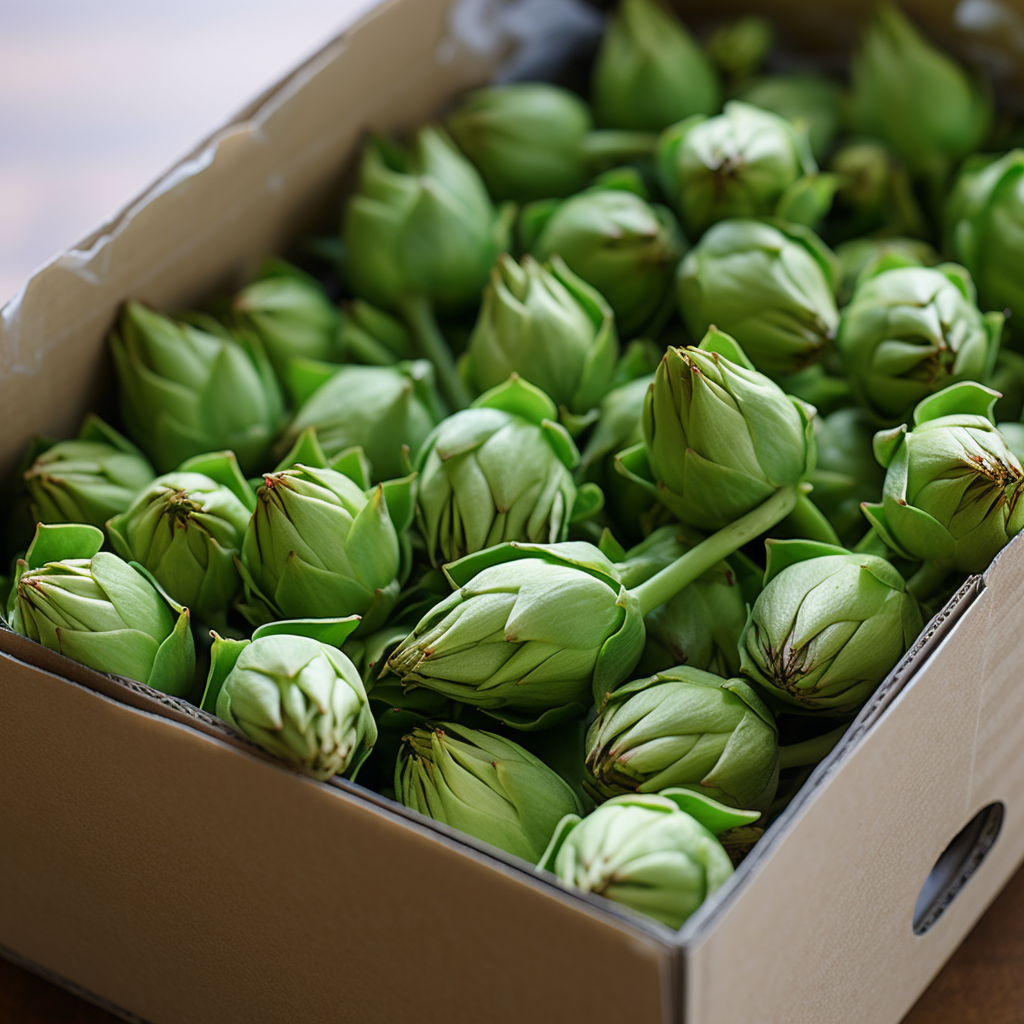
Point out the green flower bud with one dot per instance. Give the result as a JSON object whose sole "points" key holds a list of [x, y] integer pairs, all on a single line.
{"points": [[186, 391], [768, 285], [914, 98], [380, 409], [291, 314], [499, 471], [483, 785], [655, 854], [649, 71], [320, 546], [295, 697], [828, 627], [526, 139], [986, 230], [421, 224], [809, 101], [504, 643], [911, 331], [746, 162], [952, 485], [369, 335], [720, 437], [97, 610], [86, 480], [186, 528], [549, 327], [1008, 379], [617, 242], [740, 47], [689, 729], [863, 258]]}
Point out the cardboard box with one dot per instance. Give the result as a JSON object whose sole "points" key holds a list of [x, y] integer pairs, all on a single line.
{"points": [[159, 865]]}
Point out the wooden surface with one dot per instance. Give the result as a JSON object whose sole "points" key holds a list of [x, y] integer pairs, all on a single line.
{"points": [[982, 984]]}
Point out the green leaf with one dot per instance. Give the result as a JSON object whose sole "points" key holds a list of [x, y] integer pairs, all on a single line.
{"points": [[333, 632], [715, 817], [223, 656], [56, 542]]}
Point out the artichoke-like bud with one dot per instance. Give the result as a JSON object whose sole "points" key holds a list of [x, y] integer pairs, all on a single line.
{"points": [[701, 626], [527, 139], [504, 641], [186, 390], [914, 98], [847, 473], [985, 215], [98, 610], [295, 695], [499, 471], [322, 545], [688, 729], [186, 528], [484, 785], [911, 331], [771, 286], [550, 327], [863, 258], [740, 48], [828, 627], [953, 487], [381, 409], [654, 853], [85, 480], [623, 246], [650, 72], [291, 314], [421, 224], [812, 102], [746, 162], [369, 335], [719, 437], [874, 191]]}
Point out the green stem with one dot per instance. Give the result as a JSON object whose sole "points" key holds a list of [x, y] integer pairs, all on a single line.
{"points": [[663, 586], [810, 752], [612, 146], [925, 583], [419, 315], [809, 523]]}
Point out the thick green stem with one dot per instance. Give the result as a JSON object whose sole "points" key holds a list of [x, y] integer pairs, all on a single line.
{"points": [[612, 146], [419, 315], [926, 582], [663, 586], [808, 522], [810, 752]]}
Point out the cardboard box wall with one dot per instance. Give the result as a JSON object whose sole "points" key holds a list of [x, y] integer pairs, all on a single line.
{"points": [[172, 872]]}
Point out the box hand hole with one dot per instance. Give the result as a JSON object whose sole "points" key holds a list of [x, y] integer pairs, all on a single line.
{"points": [[956, 864]]}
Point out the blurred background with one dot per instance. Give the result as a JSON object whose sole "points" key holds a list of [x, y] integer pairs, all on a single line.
{"points": [[99, 97]]}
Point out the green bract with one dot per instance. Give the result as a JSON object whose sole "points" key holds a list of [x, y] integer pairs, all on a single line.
{"points": [[86, 480], [654, 853], [421, 223], [499, 471], [917, 100], [505, 643], [828, 627], [809, 101], [953, 487], [910, 331], [291, 314], [187, 390], [863, 258], [986, 230], [380, 409], [320, 545], [548, 326], [526, 139], [369, 335], [746, 162], [96, 609], [617, 242], [719, 437], [293, 693], [186, 528], [649, 71], [689, 729], [484, 785], [768, 285]]}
